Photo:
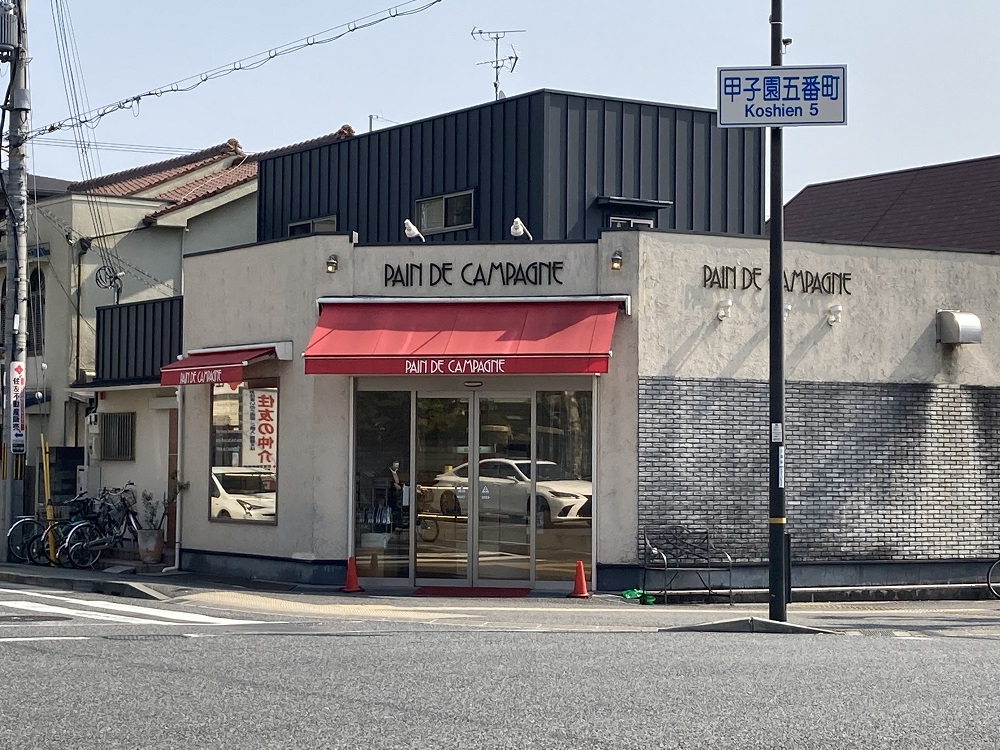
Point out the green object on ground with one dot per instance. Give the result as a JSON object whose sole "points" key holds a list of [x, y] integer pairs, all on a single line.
{"points": [[632, 593], [647, 599]]}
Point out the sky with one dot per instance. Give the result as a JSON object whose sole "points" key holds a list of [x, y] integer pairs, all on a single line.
{"points": [[920, 73]]}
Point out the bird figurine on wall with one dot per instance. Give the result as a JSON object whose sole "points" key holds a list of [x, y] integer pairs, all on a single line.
{"points": [[411, 230]]}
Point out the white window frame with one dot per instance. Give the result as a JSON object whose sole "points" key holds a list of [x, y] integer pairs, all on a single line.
{"points": [[628, 222], [310, 226], [443, 199]]}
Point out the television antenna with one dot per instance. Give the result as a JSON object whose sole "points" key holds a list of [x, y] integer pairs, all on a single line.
{"points": [[498, 63]]}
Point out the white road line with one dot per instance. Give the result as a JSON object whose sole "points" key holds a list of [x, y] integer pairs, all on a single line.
{"points": [[46, 638], [135, 609], [49, 609]]}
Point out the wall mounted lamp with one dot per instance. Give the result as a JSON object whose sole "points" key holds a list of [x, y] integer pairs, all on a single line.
{"points": [[616, 260], [725, 309], [331, 264], [833, 314], [787, 309], [472, 383], [411, 231], [517, 229]]}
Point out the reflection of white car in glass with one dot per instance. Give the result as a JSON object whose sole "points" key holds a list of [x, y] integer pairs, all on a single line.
{"points": [[244, 493], [505, 487]]}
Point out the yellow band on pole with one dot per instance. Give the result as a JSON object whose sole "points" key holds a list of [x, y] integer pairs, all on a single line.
{"points": [[777, 520]]}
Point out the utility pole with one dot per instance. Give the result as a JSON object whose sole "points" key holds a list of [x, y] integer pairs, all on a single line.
{"points": [[16, 189], [778, 569]]}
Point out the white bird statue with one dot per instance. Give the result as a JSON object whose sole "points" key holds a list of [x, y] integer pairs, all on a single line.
{"points": [[411, 230]]}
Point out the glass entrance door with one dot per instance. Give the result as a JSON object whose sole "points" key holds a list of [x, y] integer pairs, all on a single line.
{"points": [[473, 488]]}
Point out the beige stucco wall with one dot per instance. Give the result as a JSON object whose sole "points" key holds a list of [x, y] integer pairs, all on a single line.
{"points": [[887, 329], [152, 428], [268, 292]]}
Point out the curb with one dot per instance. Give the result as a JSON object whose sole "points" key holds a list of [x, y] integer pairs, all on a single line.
{"points": [[748, 625], [128, 589]]}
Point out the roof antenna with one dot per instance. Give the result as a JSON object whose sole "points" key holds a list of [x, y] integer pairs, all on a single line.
{"points": [[498, 63]]}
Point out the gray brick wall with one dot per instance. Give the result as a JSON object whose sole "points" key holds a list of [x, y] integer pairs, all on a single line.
{"points": [[873, 471]]}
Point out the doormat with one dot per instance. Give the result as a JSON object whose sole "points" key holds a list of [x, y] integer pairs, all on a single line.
{"points": [[471, 592]]}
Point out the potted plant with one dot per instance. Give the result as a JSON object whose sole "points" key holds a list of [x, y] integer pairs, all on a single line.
{"points": [[151, 533]]}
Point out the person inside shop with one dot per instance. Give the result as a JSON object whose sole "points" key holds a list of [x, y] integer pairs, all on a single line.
{"points": [[395, 494]]}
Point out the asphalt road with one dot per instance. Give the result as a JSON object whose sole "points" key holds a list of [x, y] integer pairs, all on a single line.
{"points": [[239, 669]]}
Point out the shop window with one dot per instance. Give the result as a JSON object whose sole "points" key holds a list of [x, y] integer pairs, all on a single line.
{"points": [[382, 483], [445, 213], [243, 482], [117, 435], [564, 446]]}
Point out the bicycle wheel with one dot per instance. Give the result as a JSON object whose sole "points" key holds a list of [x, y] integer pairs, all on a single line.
{"points": [[37, 549], [993, 579], [19, 535], [82, 545], [428, 529]]}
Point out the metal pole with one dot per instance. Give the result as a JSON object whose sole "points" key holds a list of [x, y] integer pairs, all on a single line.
{"points": [[17, 253], [776, 522]]}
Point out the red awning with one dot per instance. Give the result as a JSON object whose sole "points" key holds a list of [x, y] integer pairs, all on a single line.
{"points": [[213, 367], [462, 338]]}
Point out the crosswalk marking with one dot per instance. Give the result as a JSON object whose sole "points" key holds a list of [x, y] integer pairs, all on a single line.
{"points": [[48, 609], [112, 611]]}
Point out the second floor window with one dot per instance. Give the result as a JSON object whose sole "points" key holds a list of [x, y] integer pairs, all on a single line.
{"points": [[445, 213]]}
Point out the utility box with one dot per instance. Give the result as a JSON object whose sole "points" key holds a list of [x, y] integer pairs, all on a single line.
{"points": [[956, 327]]}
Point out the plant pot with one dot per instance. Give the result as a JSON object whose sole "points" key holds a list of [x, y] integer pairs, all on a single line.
{"points": [[150, 545]]}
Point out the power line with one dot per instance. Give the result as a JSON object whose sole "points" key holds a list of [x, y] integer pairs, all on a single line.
{"points": [[253, 62], [55, 142]]}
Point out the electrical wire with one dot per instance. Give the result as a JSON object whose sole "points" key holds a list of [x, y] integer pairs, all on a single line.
{"points": [[92, 117], [54, 142]]}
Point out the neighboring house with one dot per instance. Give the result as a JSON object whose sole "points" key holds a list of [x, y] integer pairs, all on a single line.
{"points": [[952, 206], [568, 165], [117, 241]]}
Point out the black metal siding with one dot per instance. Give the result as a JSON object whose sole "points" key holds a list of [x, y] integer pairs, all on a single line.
{"points": [[545, 156], [135, 340]]}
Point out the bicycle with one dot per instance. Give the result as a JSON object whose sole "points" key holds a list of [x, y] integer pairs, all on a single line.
{"points": [[47, 546], [993, 579], [88, 540], [21, 532]]}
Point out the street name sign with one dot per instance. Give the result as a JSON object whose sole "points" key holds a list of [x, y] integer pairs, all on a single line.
{"points": [[782, 96], [17, 378]]}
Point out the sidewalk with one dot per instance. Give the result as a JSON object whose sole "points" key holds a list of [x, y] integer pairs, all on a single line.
{"points": [[123, 581]]}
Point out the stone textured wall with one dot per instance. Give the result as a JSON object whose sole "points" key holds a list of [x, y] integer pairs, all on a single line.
{"points": [[873, 471]]}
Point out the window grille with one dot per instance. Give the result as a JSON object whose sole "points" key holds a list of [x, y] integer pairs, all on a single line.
{"points": [[117, 436]]}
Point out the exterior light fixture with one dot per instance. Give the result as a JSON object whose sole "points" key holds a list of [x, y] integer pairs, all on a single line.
{"points": [[411, 231], [833, 314], [787, 309], [331, 264], [616, 260], [472, 383], [517, 229], [725, 309]]}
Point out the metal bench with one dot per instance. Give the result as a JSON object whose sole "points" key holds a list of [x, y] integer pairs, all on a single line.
{"points": [[689, 561]]}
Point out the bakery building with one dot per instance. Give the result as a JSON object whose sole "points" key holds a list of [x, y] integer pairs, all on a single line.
{"points": [[570, 348]]}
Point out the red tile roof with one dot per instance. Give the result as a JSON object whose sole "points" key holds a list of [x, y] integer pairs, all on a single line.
{"points": [[141, 179], [944, 206], [235, 167]]}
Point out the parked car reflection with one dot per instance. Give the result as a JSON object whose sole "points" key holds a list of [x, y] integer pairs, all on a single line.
{"points": [[505, 486], [244, 493]]}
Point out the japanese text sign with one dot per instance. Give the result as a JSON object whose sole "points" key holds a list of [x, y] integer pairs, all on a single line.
{"points": [[781, 96]]}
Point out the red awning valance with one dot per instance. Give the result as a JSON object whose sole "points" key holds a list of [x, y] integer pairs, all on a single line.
{"points": [[462, 338], [213, 366]]}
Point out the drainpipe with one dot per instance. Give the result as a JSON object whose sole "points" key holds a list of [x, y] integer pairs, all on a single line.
{"points": [[179, 505]]}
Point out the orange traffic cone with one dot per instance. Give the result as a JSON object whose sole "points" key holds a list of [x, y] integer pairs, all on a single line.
{"points": [[580, 585], [351, 584]]}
